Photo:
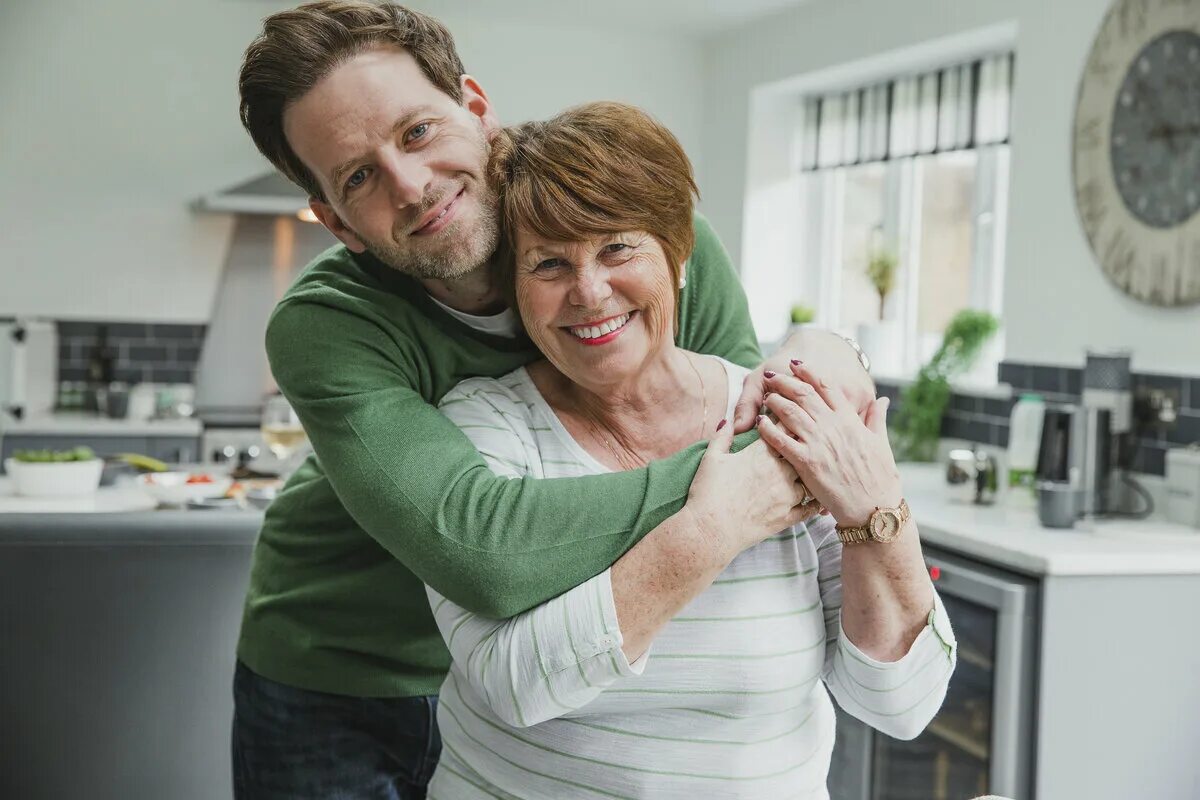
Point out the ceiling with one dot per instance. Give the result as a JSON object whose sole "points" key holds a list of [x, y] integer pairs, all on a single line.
{"points": [[682, 17]]}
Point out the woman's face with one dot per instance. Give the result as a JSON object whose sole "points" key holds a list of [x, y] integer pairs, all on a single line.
{"points": [[599, 308]]}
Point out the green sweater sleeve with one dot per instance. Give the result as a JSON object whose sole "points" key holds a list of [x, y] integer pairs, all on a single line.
{"points": [[415, 483]]}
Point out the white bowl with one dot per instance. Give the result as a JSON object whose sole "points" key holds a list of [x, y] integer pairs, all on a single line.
{"points": [[172, 488], [54, 478]]}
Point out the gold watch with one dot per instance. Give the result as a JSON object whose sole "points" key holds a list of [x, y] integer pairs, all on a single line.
{"points": [[883, 526]]}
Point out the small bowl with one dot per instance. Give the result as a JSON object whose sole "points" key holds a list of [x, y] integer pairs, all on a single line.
{"points": [[261, 496], [173, 489], [54, 479]]}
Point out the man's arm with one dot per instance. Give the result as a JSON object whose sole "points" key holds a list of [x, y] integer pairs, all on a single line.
{"points": [[414, 483]]}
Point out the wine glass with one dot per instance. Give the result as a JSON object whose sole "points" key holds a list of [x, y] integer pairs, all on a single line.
{"points": [[281, 428]]}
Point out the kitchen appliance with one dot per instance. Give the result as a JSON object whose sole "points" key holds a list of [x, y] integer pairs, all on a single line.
{"points": [[979, 742], [1076, 454], [28, 367], [265, 256], [1108, 384], [977, 470]]}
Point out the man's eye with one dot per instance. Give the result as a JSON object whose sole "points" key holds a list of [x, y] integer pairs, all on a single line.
{"points": [[356, 179], [418, 131]]}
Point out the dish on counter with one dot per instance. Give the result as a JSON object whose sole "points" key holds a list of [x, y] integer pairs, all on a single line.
{"points": [[48, 474], [179, 488]]}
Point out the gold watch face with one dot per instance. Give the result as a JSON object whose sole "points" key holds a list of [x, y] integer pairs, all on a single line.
{"points": [[885, 525]]}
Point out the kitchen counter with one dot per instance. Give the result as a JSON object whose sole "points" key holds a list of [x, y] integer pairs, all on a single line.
{"points": [[83, 424], [142, 528], [1009, 535]]}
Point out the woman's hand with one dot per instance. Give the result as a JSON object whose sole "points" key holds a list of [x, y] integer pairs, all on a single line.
{"points": [[823, 350], [845, 461], [742, 498]]}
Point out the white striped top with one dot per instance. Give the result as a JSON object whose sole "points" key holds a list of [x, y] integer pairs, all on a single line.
{"points": [[731, 701]]}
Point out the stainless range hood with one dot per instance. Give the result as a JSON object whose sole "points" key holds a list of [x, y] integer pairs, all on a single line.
{"points": [[270, 194], [268, 248]]}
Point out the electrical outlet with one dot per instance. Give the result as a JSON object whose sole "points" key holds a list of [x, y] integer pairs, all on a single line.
{"points": [[1155, 410]]}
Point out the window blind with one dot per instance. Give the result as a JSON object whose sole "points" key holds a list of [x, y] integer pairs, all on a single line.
{"points": [[955, 108]]}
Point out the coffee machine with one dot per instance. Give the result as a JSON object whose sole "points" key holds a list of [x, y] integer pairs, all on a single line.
{"points": [[1085, 447], [1075, 463]]}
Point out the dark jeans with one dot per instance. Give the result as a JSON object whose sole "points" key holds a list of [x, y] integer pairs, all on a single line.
{"points": [[295, 744]]}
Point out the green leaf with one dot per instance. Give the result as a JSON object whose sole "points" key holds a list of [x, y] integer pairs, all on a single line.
{"points": [[919, 419]]}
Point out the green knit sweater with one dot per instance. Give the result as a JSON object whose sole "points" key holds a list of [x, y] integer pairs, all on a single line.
{"points": [[396, 496]]}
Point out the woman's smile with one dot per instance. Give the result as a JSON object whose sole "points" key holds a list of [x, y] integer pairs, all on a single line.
{"points": [[602, 332]]}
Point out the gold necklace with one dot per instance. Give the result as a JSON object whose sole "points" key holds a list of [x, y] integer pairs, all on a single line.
{"points": [[638, 460]]}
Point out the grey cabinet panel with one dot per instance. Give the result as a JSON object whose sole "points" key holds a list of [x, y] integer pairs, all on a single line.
{"points": [[116, 677]]}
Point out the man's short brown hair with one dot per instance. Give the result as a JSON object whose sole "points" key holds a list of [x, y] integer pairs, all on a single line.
{"points": [[594, 169], [299, 47]]}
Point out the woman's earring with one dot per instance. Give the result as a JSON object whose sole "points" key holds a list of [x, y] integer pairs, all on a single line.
{"points": [[682, 281]]}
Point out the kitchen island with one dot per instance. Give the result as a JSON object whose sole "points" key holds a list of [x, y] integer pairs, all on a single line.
{"points": [[119, 635]]}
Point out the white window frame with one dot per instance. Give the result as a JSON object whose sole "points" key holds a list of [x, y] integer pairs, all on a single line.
{"points": [[824, 202]]}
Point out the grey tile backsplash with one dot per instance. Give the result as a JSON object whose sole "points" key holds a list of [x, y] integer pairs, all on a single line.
{"points": [[985, 419], [155, 352]]}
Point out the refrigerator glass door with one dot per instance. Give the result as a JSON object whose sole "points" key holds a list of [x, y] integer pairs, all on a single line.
{"points": [[980, 742]]}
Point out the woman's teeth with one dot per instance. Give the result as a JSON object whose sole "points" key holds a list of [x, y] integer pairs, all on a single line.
{"points": [[603, 329]]}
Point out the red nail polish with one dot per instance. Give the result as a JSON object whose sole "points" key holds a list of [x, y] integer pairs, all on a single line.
{"points": [[721, 424], [760, 419], [768, 374], [797, 362]]}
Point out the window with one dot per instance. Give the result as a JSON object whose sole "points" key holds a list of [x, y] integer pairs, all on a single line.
{"points": [[913, 171]]}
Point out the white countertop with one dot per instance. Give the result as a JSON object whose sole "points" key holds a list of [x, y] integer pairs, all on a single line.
{"points": [[1009, 535], [106, 499], [81, 424]]}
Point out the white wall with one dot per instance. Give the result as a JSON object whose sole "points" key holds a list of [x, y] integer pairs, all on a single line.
{"points": [[1056, 299], [115, 115]]}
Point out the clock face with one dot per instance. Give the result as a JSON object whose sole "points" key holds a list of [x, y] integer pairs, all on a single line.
{"points": [[1136, 149], [1156, 131]]}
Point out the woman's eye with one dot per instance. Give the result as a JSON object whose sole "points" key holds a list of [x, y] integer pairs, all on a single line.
{"points": [[549, 263], [418, 131], [615, 247], [356, 179]]}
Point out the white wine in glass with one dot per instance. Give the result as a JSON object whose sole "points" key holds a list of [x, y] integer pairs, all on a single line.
{"points": [[281, 428]]}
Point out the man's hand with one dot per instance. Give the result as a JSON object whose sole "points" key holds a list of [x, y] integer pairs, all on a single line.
{"points": [[828, 354]]}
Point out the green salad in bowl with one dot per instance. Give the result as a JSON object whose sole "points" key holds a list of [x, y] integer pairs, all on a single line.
{"points": [[54, 473], [53, 456]]}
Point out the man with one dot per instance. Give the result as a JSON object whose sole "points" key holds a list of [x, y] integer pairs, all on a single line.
{"points": [[367, 108]]}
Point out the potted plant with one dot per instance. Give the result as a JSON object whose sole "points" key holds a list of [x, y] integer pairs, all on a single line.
{"points": [[802, 315], [918, 421], [882, 340]]}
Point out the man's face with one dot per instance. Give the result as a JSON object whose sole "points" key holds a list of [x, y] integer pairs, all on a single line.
{"points": [[401, 164]]}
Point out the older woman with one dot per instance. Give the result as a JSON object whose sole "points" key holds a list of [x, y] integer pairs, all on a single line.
{"points": [[569, 699]]}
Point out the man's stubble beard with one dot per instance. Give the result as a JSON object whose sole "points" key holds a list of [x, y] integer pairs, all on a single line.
{"points": [[462, 253]]}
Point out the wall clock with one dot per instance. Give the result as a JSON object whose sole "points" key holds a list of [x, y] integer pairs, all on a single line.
{"points": [[1137, 149]]}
